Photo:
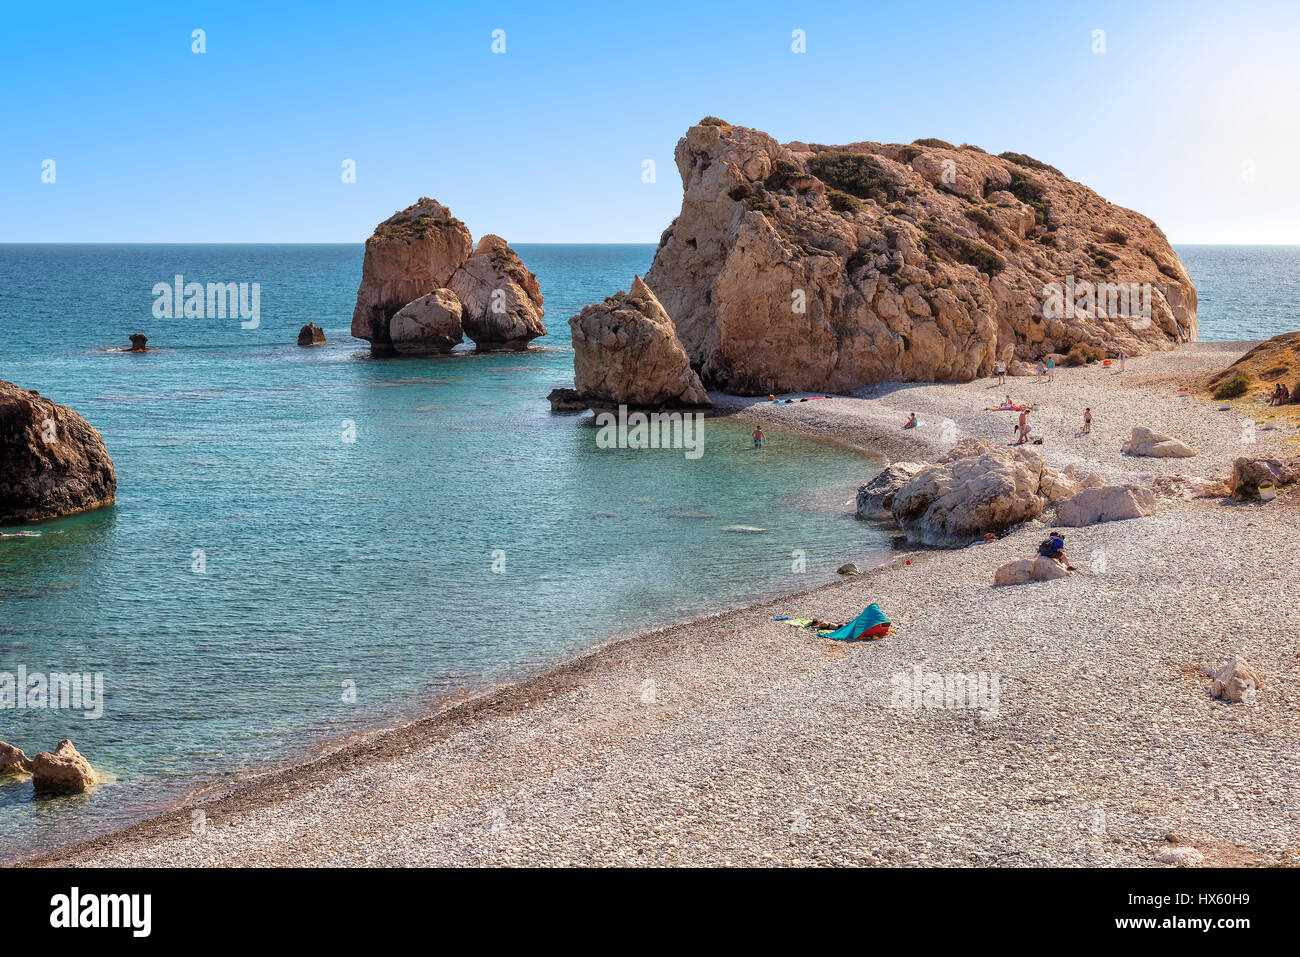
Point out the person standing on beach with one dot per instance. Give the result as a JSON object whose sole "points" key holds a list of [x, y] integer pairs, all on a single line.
{"points": [[1002, 371], [1123, 358], [1051, 369], [1022, 427], [1087, 421], [1041, 370]]}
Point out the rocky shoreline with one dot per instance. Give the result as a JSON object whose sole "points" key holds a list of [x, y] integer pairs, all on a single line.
{"points": [[735, 739]]}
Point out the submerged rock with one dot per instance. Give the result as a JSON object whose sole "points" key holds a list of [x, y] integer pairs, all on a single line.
{"points": [[1156, 444], [13, 760], [803, 267], [410, 254], [427, 326], [502, 299], [1110, 503], [52, 461], [63, 772], [311, 335], [625, 351]]}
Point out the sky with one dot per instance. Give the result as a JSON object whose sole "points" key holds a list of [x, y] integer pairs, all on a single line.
{"points": [[1188, 112]]}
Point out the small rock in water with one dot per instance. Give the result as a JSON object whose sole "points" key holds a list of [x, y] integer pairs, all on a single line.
{"points": [[311, 335], [848, 569], [63, 772], [13, 760]]}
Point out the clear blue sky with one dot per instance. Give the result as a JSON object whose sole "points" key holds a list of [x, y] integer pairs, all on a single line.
{"points": [[1190, 115]]}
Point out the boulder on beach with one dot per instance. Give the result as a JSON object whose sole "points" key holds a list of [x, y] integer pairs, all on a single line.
{"points": [[139, 343], [976, 488], [52, 461], [876, 498], [13, 760], [1156, 444], [805, 267], [410, 254], [626, 352], [63, 772], [1108, 503], [430, 325], [1250, 472], [1234, 680], [311, 335], [1188, 487], [849, 568], [1029, 570], [502, 299]]}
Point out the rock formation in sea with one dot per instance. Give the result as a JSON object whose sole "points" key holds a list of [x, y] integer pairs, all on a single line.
{"points": [[52, 461], [64, 771], [809, 267], [625, 351], [501, 298], [424, 248], [311, 335], [428, 325], [13, 760]]}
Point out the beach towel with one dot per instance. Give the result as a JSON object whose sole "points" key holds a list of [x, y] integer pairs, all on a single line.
{"points": [[869, 625], [796, 622]]}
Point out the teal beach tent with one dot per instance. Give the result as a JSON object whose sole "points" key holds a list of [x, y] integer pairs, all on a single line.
{"points": [[871, 624]]}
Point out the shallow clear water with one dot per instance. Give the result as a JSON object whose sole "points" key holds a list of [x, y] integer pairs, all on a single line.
{"points": [[328, 561]]}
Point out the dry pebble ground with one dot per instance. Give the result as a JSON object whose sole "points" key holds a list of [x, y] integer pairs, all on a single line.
{"points": [[739, 740]]}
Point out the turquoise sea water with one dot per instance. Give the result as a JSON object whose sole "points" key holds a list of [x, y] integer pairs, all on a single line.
{"points": [[327, 561], [371, 562]]}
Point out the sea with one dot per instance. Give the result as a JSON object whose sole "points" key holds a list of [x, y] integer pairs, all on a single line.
{"points": [[311, 542]]}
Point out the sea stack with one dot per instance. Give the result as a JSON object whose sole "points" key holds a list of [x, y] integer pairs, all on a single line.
{"points": [[808, 267], [424, 249], [52, 461], [626, 352], [311, 335]]}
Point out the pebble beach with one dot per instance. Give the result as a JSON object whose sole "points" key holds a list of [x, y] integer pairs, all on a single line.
{"points": [[739, 740]]}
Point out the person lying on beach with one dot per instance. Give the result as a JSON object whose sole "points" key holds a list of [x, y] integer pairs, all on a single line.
{"points": [[911, 422], [1054, 548], [758, 436]]}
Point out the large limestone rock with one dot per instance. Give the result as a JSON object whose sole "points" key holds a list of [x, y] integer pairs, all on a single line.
{"points": [[976, 488], [1110, 503], [1249, 473], [63, 772], [502, 300], [1234, 680], [52, 462], [1156, 444], [625, 351], [411, 253], [1025, 570], [431, 325], [806, 267], [876, 498], [13, 760]]}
